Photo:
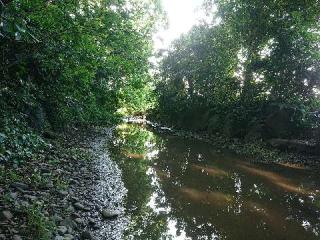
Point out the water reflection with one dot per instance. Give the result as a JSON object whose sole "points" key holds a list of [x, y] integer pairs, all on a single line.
{"points": [[212, 171], [183, 189], [276, 179]]}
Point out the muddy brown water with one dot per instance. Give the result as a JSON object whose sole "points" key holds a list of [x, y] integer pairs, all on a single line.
{"points": [[182, 188]]}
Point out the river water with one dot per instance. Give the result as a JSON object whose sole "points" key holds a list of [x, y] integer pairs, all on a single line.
{"points": [[182, 188]]}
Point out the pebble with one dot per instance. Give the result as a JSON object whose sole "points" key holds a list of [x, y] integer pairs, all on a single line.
{"points": [[57, 218], [62, 229], [67, 222], [13, 195], [91, 221], [68, 237], [63, 193], [86, 235], [7, 214], [25, 204], [61, 203], [50, 185], [16, 237], [70, 209], [76, 215], [110, 213], [19, 185], [30, 197], [79, 206], [79, 220]]}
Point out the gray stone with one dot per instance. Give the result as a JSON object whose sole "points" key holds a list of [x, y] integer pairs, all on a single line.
{"points": [[63, 193], [16, 237], [58, 237], [19, 185], [91, 221], [68, 237], [57, 218], [62, 230], [70, 209], [110, 213], [30, 197], [7, 215], [68, 223], [50, 185], [13, 195], [79, 221], [79, 206], [26, 204], [86, 235]]}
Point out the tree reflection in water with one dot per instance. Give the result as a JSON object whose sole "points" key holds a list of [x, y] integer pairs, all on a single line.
{"points": [[182, 189]]}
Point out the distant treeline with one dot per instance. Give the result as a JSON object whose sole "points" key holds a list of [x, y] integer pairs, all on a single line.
{"points": [[253, 72]]}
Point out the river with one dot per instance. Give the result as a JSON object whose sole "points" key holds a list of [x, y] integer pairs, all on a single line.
{"points": [[182, 188]]}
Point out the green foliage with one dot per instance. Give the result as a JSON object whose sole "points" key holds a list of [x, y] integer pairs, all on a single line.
{"points": [[75, 58], [38, 226], [137, 97], [257, 54], [67, 62], [18, 142], [8, 176]]}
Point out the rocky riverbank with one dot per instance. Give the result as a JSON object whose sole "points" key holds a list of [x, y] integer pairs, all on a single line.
{"points": [[73, 190]]}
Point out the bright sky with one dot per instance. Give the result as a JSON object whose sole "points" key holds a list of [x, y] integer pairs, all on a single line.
{"points": [[182, 15]]}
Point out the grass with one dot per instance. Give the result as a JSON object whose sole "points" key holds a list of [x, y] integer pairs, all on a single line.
{"points": [[39, 180], [60, 184], [8, 176], [38, 226]]}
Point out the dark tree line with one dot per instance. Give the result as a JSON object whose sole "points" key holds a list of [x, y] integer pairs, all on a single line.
{"points": [[261, 59]]}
